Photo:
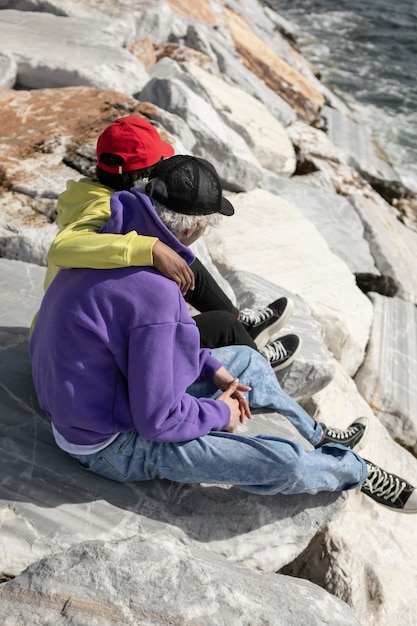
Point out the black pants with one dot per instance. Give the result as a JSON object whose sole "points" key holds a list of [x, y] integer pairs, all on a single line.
{"points": [[221, 328], [217, 322], [208, 295]]}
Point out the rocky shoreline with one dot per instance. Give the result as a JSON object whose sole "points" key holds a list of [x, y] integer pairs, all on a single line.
{"points": [[321, 215]]}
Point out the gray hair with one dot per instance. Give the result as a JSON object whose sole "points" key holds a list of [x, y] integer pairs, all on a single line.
{"points": [[178, 222]]}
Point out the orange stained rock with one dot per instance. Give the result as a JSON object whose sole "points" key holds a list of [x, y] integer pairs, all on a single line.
{"points": [[284, 79], [31, 121], [144, 51], [197, 9], [183, 54]]}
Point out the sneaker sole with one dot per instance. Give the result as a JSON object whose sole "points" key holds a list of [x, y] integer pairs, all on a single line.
{"points": [[288, 362], [393, 509], [265, 336]]}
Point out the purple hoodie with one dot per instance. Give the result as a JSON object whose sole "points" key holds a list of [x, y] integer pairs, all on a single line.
{"points": [[114, 350]]}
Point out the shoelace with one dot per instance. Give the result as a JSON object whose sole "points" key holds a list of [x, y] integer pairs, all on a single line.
{"points": [[342, 434], [274, 351], [380, 483], [255, 316]]}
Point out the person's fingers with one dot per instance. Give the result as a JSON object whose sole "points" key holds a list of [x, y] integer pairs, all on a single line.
{"points": [[185, 279], [244, 409], [242, 413], [186, 282], [230, 391], [232, 387], [191, 278], [173, 266]]}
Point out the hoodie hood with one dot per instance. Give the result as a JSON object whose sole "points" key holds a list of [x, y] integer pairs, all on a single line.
{"points": [[133, 211], [78, 196]]}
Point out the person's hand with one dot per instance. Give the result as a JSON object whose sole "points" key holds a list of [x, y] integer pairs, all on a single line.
{"points": [[234, 397], [173, 266]]}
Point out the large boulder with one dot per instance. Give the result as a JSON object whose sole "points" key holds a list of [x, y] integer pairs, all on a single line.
{"points": [[82, 55], [387, 378], [153, 578], [366, 555], [175, 91], [288, 251]]}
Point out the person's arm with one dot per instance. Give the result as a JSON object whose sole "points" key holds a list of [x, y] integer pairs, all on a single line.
{"points": [[173, 266], [159, 372], [79, 244]]}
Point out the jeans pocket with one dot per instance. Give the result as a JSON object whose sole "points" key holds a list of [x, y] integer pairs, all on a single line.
{"points": [[104, 468], [125, 440]]}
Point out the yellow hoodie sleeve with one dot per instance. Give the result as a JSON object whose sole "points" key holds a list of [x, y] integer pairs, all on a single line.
{"points": [[79, 243]]}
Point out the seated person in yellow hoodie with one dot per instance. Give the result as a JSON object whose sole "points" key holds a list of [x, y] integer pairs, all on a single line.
{"points": [[127, 150]]}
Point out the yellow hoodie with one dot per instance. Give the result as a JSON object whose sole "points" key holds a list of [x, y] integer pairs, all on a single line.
{"points": [[82, 210]]}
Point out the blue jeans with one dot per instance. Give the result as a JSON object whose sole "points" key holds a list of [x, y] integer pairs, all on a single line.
{"points": [[262, 464], [253, 370]]}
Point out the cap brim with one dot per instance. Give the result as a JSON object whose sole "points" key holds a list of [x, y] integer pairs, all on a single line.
{"points": [[227, 208], [166, 149]]}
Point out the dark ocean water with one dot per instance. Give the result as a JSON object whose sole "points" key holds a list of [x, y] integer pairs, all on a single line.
{"points": [[366, 52]]}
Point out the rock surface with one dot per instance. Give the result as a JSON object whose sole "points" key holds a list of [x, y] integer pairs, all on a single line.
{"points": [[167, 583], [304, 265], [390, 367], [315, 216]]}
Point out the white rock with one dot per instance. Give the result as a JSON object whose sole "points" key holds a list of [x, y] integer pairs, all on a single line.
{"points": [[121, 14], [161, 21], [388, 377], [79, 55], [8, 70], [214, 140], [221, 51], [332, 214], [21, 286], [256, 13], [300, 261], [313, 367], [49, 6], [30, 245], [367, 554], [354, 138], [250, 118], [154, 579], [393, 245], [42, 176], [111, 31]]}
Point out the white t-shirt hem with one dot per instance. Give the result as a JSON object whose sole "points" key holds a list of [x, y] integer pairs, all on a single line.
{"points": [[76, 448]]}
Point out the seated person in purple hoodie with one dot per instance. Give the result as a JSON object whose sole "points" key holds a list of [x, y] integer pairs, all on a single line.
{"points": [[118, 369]]}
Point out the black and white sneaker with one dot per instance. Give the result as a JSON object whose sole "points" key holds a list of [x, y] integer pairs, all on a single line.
{"points": [[264, 323], [389, 490], [281, 352], [351, 437]]}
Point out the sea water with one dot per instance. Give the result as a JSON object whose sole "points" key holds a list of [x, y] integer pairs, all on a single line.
{"points": [[366, 52]]}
